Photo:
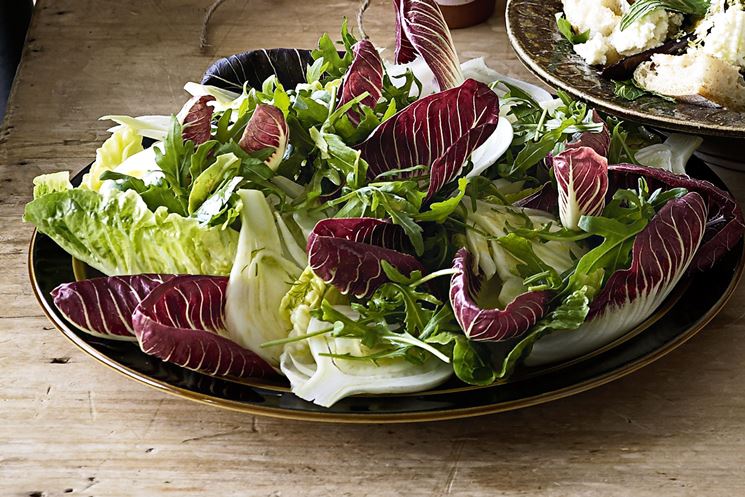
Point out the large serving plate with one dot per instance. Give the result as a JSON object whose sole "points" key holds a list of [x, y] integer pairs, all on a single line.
{"points": [[684, 313], [531, 27]]}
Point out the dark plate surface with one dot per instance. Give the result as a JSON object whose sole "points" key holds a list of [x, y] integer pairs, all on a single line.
{"points": [[681, 316], [531, 27]]}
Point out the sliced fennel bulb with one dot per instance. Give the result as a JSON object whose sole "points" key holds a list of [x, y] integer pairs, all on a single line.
{"points": [[493, 148], [492, 259], [495, 220], [154, 127], [671, 155], [262, 274], [326, 380], [478, 70]]}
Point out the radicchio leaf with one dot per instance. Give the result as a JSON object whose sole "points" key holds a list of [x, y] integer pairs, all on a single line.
{"points": [[364, 75], [660, 255], [582, 182], [545, 199], [599, 142], [253, 67], [267, 128], [103, 307], [439, 131], [346, 252], [421, 30], [182, 320], [724, 226], [491, 324], [198, 121]]}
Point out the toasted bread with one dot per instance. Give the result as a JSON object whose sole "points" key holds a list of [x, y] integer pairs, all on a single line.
{"points": [[694, 77]]}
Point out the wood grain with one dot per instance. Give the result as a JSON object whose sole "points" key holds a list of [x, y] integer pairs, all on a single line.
{"points": [[69, 426]]}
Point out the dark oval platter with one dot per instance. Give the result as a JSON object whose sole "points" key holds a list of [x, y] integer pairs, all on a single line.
{"points": [[683, 314]]}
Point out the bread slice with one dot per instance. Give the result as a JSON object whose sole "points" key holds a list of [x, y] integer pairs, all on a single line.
{"points": [[694, 77]]}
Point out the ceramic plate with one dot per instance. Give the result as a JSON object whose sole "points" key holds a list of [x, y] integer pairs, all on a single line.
{"points": [[684, 313], [531, 27]]}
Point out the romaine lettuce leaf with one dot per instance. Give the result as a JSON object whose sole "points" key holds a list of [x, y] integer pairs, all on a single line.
{"points": [[117, 234], [50, 183], [124, 143]]}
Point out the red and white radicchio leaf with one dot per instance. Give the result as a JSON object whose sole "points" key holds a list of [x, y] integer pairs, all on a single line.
{"points": [[439, 131], [103, 307], [660, 256], [198, 121], [347, 252], [182, 322], [599, 142], [421, 30], [267, 128], [724, 226], [582, 180], [493, 325], [365, 74]]}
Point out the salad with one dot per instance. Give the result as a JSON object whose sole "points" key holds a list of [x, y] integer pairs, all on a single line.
{"points": [[364, 226], [688, 50]]}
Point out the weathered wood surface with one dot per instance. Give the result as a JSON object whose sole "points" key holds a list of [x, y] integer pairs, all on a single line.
{"points": [[73, 427]]}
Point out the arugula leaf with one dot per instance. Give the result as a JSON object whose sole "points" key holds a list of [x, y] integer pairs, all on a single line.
{"points": [[336, 66], [222, 206], [400, 201], [641, 8], [534, 152], [628, 90], [468, 358], [175, 161], [401, 93], [569, 315], [224, 167], [439, 211], [375, 333], [625, 216], [537, 274], [566, 29], [154, 195]]}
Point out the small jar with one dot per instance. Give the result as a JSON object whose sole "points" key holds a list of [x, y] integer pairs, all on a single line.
{"points": [[465, 13]]}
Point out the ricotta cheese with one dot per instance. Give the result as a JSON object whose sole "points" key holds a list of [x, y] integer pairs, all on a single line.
{"points": [[597, 16], [648, 32], [596, 50], [726, 40]]}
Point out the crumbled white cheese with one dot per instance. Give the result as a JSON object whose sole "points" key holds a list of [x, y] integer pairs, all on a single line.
{"points": [[726, 40], [595, 50], [597, 16], [648, 32]]}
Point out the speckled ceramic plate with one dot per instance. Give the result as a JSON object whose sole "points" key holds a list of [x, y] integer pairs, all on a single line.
{"points": [[684, 313], [531, 27]]}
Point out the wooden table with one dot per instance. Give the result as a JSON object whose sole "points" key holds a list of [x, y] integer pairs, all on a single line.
{"points": [[69, 426]]}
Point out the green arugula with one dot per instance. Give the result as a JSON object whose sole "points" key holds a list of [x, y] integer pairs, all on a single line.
{"points": [[566, 29], [335, 65], [628, 90]]}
